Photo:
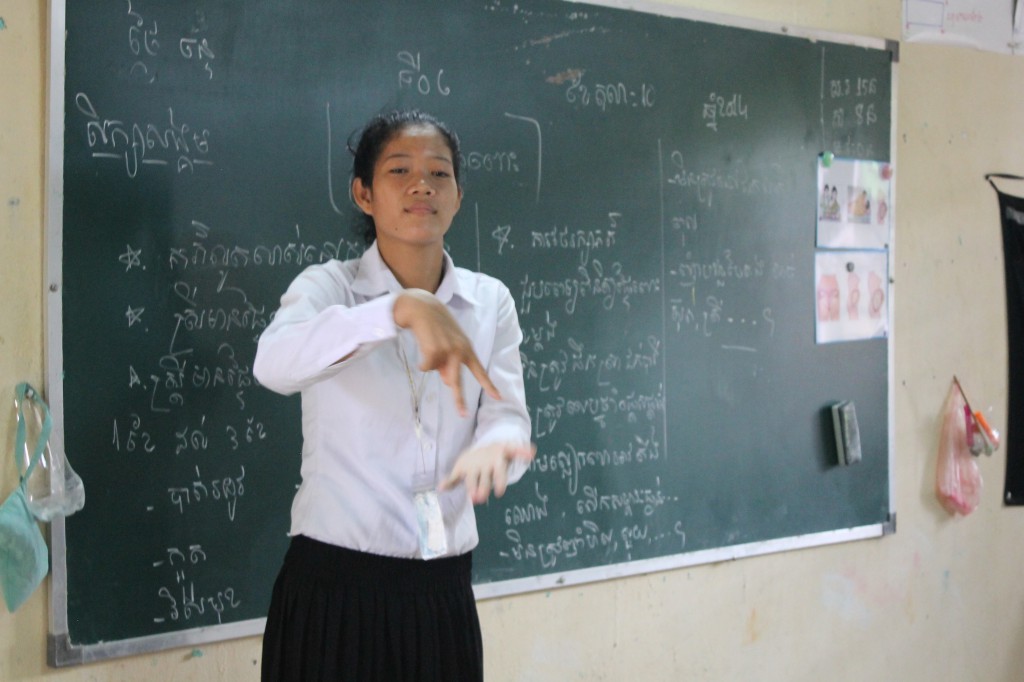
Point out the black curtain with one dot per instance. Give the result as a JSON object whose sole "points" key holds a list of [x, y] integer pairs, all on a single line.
{"points": [[1011, 212]]}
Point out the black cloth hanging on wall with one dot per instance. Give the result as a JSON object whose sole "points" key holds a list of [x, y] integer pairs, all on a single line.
{"points": [[1011, 212]]}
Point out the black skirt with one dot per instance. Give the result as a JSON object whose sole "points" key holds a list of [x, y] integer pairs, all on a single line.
{"points": [[338, 614]]}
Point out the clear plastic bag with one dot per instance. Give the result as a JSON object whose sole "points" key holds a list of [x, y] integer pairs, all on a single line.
{"points": [[53, 489], [958, 481]]}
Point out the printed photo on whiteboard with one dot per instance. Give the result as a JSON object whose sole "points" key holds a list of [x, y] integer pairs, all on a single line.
{"points": [[854, 203], [852, 293]]}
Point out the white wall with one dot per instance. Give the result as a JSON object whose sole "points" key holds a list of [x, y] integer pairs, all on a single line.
{"points": [[941, 599]]}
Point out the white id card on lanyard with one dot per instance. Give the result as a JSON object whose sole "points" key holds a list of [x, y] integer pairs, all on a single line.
{"points": [[429, 520], [433, 539]]}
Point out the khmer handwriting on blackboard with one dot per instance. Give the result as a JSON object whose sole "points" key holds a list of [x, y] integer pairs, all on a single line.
{"points": [[643, 184]]}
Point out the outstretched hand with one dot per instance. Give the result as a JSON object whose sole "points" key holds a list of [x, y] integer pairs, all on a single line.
{"points": [[442, 343], [485, 468]]}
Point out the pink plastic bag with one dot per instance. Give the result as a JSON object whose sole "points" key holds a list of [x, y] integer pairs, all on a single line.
{"points": [[958, 481]]}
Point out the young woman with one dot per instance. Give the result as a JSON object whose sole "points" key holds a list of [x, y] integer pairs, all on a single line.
{"points": [[413, 408]]}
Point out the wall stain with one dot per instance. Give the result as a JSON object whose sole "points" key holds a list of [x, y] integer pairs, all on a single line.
{"points": [[3, 24], [753, 632]]}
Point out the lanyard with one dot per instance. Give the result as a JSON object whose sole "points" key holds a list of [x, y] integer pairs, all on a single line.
{"points": [[416, 400]]}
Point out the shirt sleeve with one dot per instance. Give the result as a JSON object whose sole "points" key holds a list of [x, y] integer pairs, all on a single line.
{"points": [[315, 335], [506, 420]]}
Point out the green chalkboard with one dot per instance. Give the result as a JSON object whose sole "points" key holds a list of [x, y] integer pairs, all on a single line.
{"points": [[643, 183]]}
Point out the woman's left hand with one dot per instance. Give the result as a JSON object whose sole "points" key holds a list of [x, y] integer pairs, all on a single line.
{"points": [[486, 468]]}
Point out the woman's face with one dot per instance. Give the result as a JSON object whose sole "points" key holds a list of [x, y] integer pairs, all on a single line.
{"points": [[414, 196]]}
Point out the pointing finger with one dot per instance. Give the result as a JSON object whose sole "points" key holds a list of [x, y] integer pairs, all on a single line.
{"points": [[451, 376], [483, 487], [523, 452], [452, 480], [500, 479], [481, 375]]}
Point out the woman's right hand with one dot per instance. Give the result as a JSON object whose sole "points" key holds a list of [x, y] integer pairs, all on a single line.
{"points": [[442, 343]]}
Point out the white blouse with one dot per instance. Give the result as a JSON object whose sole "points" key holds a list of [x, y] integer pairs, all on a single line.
{"points": [[360, 452]]}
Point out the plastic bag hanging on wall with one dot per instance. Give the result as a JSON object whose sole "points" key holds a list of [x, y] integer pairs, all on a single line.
{"points": [[53, 488], [23, 552], [1011, 212], [957, 479]]}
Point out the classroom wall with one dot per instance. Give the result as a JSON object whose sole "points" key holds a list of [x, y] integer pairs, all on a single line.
{"points": [[941, 599]]}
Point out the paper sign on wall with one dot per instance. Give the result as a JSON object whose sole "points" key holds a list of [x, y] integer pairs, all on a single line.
{"points": [[990, 25]]}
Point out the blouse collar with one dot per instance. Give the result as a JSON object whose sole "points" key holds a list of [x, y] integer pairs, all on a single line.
{"points": [[374, 278]]}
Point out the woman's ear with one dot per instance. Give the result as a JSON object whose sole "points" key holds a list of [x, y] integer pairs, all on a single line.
{"points": [[363, 196]]}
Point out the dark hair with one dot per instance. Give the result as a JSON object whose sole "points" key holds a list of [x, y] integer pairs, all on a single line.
{"points": [[376, 134]]}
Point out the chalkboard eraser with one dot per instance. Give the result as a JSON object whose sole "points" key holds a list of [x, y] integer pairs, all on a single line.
{"points": [[844, 423]]}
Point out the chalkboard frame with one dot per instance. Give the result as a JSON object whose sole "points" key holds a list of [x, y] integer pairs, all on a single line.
{"points": [[60, 650]]}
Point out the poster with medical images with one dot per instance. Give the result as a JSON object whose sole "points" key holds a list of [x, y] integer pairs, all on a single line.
{"points": [[854, 203], [852, 293]]}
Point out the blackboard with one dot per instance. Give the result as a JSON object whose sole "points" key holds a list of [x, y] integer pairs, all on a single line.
{"points": [[644, 183]]}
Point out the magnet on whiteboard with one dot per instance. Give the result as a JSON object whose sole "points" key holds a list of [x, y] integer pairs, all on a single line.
{"points": [[844, 423]]}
